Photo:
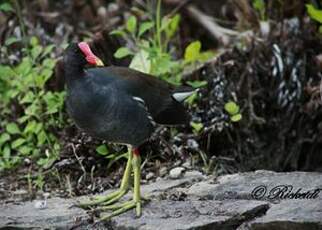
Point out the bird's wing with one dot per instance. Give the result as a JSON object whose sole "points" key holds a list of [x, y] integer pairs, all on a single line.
{"points": [[160, 98]]}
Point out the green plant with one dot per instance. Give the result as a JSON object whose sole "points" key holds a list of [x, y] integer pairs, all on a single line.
{"points": [[233, 110], [29, 113], [151, 52], [259, 5], [113, 157], [197, 127], [5, 6], [315, 14]]}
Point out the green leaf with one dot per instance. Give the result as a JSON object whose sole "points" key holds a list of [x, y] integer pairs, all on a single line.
{"points": [[145, 26], [34, 41], [28, 98], [30, 127], [122, 52], [196, 126], [197, 84], [141, 62], [232, 108], [6, 7], [6, 152], [17, 143], [192, 51], [4, 137], [259, 4], [48, 50], [172, 27], [236, 117], [118, 33], [6, 71], [314, 13], [102, 150], [12, 128], [131, 24], [41, 138], [36, 51], [11, 40], [25, 150]]}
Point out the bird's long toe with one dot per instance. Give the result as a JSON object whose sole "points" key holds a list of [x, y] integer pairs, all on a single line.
{"points": [[104, 200], [121, 208]]}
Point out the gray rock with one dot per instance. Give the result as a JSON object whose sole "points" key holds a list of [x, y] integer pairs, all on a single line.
{"points": [[171, 215], [57, 214], [290, 214], [163, 171], [176, 172], [149, 176], [195, 202]]}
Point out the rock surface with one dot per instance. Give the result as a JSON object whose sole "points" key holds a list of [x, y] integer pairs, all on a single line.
{"points": [[254, 200]]}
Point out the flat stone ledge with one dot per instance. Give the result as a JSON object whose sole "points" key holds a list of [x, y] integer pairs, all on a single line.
{"points": [[171, 215], [191, 202]]}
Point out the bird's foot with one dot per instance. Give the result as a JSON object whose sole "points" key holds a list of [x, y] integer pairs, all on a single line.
{"points": [[118, 209], [104, 200]]}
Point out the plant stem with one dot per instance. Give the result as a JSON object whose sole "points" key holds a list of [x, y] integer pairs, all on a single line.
{"points": [[158, 24]]}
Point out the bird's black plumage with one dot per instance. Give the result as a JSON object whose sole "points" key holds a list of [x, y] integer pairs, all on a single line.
{"points": [[118, 104]]}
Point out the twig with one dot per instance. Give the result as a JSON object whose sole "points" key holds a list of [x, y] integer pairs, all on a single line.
{"points": [[79, 160], [219, 33]]}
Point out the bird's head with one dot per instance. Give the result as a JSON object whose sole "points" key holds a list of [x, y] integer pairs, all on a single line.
{"points": [[81, 54]]}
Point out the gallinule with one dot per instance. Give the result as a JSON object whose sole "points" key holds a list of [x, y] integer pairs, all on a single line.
{"points": [[119, 105]]}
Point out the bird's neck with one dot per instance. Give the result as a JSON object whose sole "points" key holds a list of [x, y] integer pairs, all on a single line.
{"points": [[73, 73]]}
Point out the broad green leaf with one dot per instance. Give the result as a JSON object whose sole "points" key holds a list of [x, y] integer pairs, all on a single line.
{"points": [[28, 98], [41, 138], [232, 108], [122, 52], [259, 4], [47, 50], [11, 40], [197, 84], [192, 51], [191, 100], [236, 117], [6, 152], [4, 137], [314, 13], [30, 127], [131, 24], [6, 7], [12, 128], [17, 143], [34, 41], [36, 51], [6, 71], [25, 150], [145, 26], [141, 62], [102, 150], [196, 126], [173, 26], [118, 33]]}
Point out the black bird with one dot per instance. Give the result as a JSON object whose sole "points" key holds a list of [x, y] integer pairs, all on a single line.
{"points": [[119, 105]]}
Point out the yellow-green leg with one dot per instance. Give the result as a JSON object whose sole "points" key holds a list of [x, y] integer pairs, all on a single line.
{"points": [[136, 202], [114, 196]]}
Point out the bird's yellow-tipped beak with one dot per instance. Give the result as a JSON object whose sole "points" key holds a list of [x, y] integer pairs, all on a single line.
{"points": [[99, 62]]}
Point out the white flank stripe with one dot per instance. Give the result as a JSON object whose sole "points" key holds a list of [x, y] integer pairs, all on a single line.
{"points": [[182, 95], [139, 99]]}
